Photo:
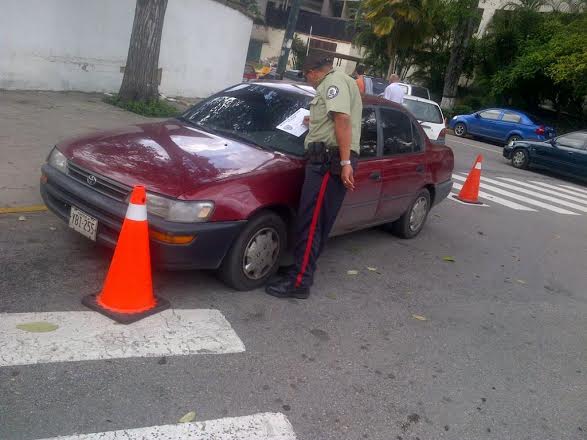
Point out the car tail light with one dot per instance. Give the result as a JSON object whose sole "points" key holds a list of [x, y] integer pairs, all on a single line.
{"points": [[540, 130]]}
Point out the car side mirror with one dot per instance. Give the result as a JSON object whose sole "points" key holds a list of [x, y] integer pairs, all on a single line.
{"points": [[553, 142], [477, 115]]}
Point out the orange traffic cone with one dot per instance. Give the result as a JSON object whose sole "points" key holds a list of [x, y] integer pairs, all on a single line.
{"points": [[127, 295], [470, 190]]}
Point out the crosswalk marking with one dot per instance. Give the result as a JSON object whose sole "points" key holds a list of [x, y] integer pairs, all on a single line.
{"points": [[82, 336], [520, 197], [561, 189], [498, 200], [264, 426], [582, 191], [534, 193], [545, 190]]}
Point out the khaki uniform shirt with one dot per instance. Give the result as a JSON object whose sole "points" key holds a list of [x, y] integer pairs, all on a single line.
{"points": [[337, 92]]}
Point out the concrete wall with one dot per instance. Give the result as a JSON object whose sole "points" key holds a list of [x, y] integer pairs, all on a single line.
{"points": [[82, 44]]}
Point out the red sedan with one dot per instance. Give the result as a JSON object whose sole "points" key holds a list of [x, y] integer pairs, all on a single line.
{"points": [[223, 182]]}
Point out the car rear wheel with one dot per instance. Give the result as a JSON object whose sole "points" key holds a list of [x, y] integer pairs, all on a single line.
{"points": [[411, 223], [514, 138], [460, 129], [255, 255], [520, 158]]}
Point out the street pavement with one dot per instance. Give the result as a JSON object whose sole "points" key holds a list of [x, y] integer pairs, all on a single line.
{"points": [[475, 329]]}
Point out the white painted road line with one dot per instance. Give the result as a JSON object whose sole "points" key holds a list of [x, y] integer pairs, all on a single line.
{"points": [[545, 190], [582, 191], [498, 200], [520, 198], [534, 194], [83, 336], [264, 426], [561, 189]]}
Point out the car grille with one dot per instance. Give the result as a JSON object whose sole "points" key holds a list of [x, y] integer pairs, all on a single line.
{"points": [[98, 183]]}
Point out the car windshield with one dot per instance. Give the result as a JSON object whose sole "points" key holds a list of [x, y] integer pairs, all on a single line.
{"points": [[251, 113], [424, 111]]}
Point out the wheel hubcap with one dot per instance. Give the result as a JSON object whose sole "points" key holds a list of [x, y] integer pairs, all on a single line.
{"points": [[519, 158], [261, 253], [418, 213], [459, 129]]}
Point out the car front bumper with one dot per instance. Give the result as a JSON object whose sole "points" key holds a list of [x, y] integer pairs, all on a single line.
{"points": [[206, 251], [507, 152]]}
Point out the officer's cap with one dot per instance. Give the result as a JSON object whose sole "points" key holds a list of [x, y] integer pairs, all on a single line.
{"points": [[316, 60]]}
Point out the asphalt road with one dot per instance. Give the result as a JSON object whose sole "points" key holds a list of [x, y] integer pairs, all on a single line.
{"points": [[501, 354]]}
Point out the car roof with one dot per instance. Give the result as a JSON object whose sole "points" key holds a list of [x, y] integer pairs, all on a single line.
{"points": [[417, 98]]}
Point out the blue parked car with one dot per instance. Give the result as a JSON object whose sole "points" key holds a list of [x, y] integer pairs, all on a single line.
{"points": [[502, 125]]}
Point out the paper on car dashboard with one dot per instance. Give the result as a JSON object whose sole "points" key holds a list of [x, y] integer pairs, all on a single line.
{"points": [[294, 124]]}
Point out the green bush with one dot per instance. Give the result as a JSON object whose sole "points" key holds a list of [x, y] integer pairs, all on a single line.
{"points": [[156, 108], [459, 109]]}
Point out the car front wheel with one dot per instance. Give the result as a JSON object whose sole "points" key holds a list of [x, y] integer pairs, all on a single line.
{"points": [[520, 158], [460, 129], [255, 255], [411, 223]]}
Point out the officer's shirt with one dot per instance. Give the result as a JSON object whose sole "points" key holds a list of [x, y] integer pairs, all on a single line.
{"points": [[339, 93]]}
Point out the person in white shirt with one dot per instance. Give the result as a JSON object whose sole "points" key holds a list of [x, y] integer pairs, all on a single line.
{"points": [[394, 92]]}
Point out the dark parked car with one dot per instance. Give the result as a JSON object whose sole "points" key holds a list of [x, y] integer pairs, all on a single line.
{"points": [[503, 125], [566, 154], [223, 182]]}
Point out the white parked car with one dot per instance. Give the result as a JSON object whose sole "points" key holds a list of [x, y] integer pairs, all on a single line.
{"points": [[429, 116]]}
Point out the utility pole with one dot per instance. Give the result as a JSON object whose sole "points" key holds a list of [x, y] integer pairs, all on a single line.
{"points": [[288, 37]]}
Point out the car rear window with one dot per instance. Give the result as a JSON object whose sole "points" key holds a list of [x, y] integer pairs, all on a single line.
{"points": [[424, 111], [252, 112]]}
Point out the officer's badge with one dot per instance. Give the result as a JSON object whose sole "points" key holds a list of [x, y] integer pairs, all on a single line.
{"points": [[332, 92]]}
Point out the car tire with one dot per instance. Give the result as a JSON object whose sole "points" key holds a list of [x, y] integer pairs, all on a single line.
{"points": [[520, 158], [411, 223], [460, 129], [260, 246], [513, 138]]}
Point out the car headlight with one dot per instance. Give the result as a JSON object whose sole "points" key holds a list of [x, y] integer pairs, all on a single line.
{"points": [[179, 210], [57, 160]]}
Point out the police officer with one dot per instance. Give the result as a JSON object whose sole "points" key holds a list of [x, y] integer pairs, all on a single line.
{"points": [[332, 147]]}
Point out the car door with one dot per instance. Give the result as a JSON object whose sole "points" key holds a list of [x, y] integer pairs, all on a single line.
{"points": [[510, 122], [360, 206], [488, 124], [571, 153], [403, 163]]}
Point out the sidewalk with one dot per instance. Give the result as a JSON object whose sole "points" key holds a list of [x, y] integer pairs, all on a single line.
{"points": [[32, 122]]}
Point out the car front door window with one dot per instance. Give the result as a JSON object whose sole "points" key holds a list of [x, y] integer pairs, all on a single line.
{"points": [[573, 140], [492, 115]]}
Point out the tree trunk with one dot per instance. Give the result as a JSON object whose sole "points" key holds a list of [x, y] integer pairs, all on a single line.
{"points": [[454, 69], [141, 81]]}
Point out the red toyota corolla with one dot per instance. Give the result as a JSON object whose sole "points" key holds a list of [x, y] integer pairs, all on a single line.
{"points": [[223, 182]]}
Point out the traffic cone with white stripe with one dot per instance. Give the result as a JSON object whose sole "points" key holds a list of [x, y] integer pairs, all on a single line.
{"points": [[127, 295], [470, 190]]}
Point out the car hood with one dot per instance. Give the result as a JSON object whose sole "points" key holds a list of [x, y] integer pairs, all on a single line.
{"points": [[170, 157]]}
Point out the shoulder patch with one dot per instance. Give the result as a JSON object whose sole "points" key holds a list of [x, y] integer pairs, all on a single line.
{"points": [[332, 92]]}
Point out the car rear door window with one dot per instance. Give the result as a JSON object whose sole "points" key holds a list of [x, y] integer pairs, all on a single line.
{"points": [[511, 117], [368, 134], [490, 114], [397, 133], [420, 92]]}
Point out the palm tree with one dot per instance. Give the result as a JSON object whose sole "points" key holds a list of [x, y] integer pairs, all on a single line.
{"points": [[397, 25]]}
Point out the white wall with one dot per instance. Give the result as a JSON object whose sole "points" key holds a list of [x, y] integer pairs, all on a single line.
{"points": [[82, 44]]}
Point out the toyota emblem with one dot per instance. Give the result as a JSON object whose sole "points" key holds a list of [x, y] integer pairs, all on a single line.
{"points": [[91, 180]]}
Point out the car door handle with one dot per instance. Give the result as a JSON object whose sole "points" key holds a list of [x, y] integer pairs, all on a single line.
{"points": [[375, 175], [420, 168]]}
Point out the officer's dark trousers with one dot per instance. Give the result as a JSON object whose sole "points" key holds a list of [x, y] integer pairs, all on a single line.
{"points": [[321, 199]]}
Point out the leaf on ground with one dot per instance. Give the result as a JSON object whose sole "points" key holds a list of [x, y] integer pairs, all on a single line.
{"points": [[372, 269], [37, 327], [451, 259], [331, 295], [352, 272], [420, 317], [22, 218], [521, 281], [187, 418]]}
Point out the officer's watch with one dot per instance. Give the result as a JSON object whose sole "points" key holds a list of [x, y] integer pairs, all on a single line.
{"points": [[345, 162]]}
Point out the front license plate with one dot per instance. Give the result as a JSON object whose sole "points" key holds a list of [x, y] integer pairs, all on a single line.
{"points": [[83, 223]]}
